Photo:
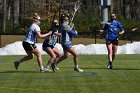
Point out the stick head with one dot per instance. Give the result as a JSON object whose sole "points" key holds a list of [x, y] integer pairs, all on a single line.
{"points": [[77, 5]]}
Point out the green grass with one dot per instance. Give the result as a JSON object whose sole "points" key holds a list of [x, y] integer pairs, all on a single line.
{"points": [[124, 78]]}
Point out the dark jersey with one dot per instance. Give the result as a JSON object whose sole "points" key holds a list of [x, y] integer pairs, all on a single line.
{"points": [[53, 39]]}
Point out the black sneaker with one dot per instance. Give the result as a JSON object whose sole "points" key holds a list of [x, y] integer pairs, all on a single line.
{"points": [[109, 66], [78, 69], [16, 64], [53, 66]]}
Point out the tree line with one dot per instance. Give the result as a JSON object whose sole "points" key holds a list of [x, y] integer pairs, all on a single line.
{"points": [[15, 15]]}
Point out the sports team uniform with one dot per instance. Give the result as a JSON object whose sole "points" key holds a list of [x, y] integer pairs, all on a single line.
{"points": [[50, 43], [112, 34], [30, 38], [67, 33]]}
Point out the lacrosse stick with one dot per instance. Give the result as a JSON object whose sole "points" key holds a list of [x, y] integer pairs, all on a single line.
{"points": [[76, 7]]}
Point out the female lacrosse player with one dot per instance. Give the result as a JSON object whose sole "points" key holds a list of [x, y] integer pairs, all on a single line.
{"points": [[67, 32], [29, 43], [112, 38], [48, 46]]}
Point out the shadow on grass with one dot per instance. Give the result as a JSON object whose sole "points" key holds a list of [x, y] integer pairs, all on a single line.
{"points": [[92, 68], [113, 68], [126, 69]]}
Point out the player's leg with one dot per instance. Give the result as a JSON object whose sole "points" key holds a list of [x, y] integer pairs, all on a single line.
{"points": [[60, 59], [28, 57], [109, 48], [75, 59], [28, 48], [114, 49], [75, 56], [51, 60], [58, 55], [39, 58], [66, 55]]}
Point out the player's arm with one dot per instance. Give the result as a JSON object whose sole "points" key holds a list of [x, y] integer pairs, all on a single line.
{"points": [[71, 25], [105, 27], [101, 31], [121, 32], [121, 28], [70, 30], [73, 32], [57, 33], [43, 36]]}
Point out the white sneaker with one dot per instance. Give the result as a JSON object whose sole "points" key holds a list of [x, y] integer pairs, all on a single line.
{"points": [[56, 68], [42, 70], [78, 69], [45, 70]]}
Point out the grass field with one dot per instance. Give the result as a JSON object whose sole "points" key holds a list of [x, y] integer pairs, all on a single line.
{"points": [[124, 78]]}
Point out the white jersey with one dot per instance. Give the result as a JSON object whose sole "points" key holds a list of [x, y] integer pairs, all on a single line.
{"points": [[31, 33]]}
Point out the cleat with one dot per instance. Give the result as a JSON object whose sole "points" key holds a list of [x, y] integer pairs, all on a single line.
{"points": [[42, 70], [45, 70], [53, 66], [109, 66], [56, 68], [16, 64], [78, 69]]}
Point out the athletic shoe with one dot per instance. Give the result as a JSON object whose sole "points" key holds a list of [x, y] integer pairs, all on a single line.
{"points": [[53, 66], [16, 64], [42, 70], [45, 70], [56, 68], [109, 66], [78, 69]]}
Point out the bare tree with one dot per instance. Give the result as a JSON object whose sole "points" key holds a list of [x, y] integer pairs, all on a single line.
{"points": [[9, 9], [126, 4], [16, 13], [4, 16], [138, 9]]}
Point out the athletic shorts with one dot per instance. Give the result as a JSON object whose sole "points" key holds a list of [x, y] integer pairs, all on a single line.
{"points": [[66, 47], [114, 42], [28, 47], [45, 46]]}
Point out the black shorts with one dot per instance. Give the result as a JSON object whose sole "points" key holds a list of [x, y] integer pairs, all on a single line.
{"points": [[28, 47], [114, 42], [45, 46]]}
